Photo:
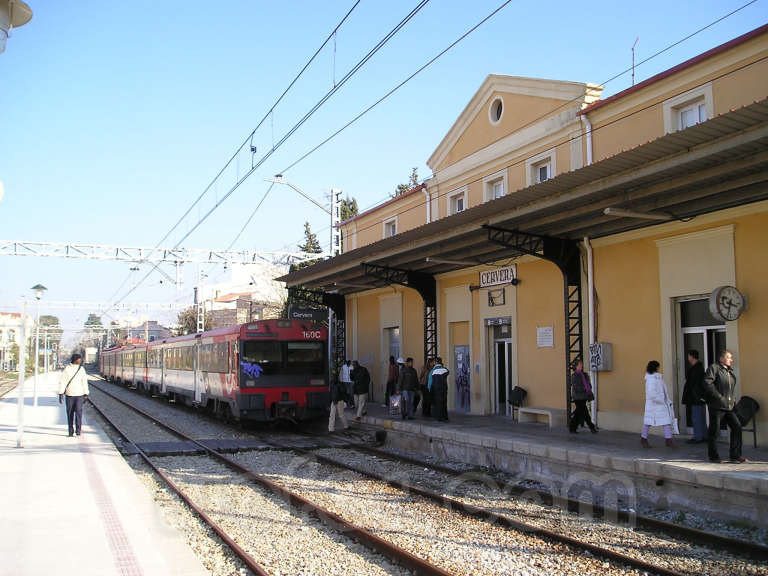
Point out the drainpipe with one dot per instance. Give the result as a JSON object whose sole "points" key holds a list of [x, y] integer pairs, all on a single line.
{"points": [[588, 130], [591, 312], [429, 204]]}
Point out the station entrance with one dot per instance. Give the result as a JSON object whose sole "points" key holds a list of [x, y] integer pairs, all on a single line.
{"points": [[501, 364]]}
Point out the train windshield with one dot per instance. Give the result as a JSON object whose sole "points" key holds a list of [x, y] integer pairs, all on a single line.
{"points": [[275, 357]]}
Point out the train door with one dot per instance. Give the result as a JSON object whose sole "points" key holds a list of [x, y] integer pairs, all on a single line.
{"points": [[199, 382]]}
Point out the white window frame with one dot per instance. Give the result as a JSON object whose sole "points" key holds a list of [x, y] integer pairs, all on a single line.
{"points": [[386, 223], [673, 107], [459, 193], [492, 106], [490, 180], [533, 164]]}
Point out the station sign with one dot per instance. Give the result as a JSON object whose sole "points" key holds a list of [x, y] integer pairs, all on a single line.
{"points": [[310, 314], [498, 276]]}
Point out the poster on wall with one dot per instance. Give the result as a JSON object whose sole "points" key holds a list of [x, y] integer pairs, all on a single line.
{"points": [[462, 377]]}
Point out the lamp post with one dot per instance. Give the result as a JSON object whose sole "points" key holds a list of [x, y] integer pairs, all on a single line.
{"points": [[13, 13], [39, 289], [22, 373]]}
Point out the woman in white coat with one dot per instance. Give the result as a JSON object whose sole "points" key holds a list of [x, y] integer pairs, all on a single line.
{"points": [[658, 405]]}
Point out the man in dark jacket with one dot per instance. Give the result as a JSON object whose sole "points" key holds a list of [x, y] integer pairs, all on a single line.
{"points": [[338, 394], [693, 397], [719, 389], [407, 384], [438, 385], [361, 383]]}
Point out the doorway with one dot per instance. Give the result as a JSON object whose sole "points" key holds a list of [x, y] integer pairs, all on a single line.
{"points": [[700, 331], [503, 368]]}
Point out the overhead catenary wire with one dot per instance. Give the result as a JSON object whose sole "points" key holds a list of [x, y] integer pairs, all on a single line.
{"points": [[534, 120], [291, 131], [530, 122], [563, 142]]}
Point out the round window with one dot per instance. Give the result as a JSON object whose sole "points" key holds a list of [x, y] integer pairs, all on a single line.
{"points": [[496, 110]]}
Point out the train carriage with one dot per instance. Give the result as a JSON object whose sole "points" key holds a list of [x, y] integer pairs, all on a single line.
{"points": [[261, 371]]}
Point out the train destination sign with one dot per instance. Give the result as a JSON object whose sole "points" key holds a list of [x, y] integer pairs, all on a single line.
{"points": [[503, 275]]}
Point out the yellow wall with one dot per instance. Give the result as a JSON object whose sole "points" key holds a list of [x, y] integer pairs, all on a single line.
{"points": [[738, 78], [411, 212], [627, 286], [541, 371], [369, 340], [752, 279]]}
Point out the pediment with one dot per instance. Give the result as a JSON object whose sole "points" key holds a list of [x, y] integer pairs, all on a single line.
{"points": [[523, 100]]}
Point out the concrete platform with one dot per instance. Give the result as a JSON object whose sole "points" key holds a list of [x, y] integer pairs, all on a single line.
{"points": [[680, 478], [73, 505]]}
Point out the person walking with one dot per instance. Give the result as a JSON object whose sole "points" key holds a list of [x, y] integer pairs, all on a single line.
{"points": [[719, 390], [407, 385], [361, 382], [658, 406], [337, 393], [346, 380], [426, 396], [392, 375], [693, 393], [581, 393], [438, 386], [73, 384]]}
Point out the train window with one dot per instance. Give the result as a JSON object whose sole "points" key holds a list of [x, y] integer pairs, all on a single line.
{"points": [[305, 356], [268, 355]]}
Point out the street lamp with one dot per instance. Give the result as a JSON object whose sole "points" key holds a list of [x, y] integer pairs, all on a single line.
{"points": [[13, 13], [38, 289]]}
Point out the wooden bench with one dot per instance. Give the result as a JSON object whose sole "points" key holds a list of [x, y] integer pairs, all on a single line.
{"points": [[555, 416]]}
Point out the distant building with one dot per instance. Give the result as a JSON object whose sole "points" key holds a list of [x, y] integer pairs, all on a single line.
{"points": [[10, 334], [151, 330]]}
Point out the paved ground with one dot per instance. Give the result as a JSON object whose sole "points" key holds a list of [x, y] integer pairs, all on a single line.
{"points": [[73, 505]]}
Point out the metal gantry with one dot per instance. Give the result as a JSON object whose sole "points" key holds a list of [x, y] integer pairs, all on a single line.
{"points": [[148, 255], [566, 255]]}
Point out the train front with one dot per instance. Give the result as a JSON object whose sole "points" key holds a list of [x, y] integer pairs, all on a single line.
{"points": [[283, 370]]}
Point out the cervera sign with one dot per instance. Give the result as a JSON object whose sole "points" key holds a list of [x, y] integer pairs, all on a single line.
{"points": [[498, 276]]}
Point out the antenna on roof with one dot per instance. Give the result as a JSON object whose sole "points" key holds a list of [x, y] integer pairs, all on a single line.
{"points": [[633, 60]]}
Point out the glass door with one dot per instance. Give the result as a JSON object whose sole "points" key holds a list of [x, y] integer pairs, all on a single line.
{"points": [[503, 365]]}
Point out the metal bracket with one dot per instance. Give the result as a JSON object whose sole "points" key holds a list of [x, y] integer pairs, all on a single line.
{"points": [[426, 286], [565, 255]]}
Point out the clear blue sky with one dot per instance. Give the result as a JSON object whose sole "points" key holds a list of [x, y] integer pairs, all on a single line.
{"points": [[116, 115]]}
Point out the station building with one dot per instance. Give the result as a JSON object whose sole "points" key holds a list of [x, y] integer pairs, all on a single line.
{"points": [[559, 225]]}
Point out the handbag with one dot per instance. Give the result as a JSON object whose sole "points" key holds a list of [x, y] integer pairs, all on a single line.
{"points": [[395, 405], [675, 424]]}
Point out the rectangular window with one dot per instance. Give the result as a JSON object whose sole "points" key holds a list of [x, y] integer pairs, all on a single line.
{"points": [[494, 186], [305, 357], [456, 203], [497, 189], [542, 172], [390, 228], [267, 355], [691, 115]]}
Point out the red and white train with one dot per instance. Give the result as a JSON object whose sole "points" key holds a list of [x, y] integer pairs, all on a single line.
{"points": [[259, 371]]}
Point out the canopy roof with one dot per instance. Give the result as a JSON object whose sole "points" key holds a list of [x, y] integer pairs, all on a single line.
{"points": [[717, 164]]}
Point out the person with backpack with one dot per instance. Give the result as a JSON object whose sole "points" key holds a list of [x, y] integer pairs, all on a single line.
{"points": [[361, 383], [73, 384], [719, 389], [338, 394], [438, 386]]}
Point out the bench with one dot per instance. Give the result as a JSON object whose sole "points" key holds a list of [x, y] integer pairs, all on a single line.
{"points": [[556, 416]]}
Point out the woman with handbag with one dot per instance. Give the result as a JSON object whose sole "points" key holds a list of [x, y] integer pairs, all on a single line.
{"points": [[658, 406], [581, 393]]}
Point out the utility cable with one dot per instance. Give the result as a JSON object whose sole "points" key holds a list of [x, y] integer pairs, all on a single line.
{"points": [[263, 159]]}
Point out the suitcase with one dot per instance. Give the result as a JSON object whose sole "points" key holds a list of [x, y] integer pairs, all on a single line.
{"points": [[395, 405]]}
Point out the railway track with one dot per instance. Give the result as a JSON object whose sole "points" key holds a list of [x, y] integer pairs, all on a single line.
{"points": [[476, 513], [333, 521], [695, 536]]}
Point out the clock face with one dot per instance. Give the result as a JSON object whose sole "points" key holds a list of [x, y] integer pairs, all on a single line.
{"points": [[729, 302]]}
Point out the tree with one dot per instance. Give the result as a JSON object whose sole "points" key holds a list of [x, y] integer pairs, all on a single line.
{"points": [[53, 329], [187, 321], [311, 244], [348, 208], [413, 181]]}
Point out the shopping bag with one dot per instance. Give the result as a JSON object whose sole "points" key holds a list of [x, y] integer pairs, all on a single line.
{"points": [[675, 424], [395, 405]]}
